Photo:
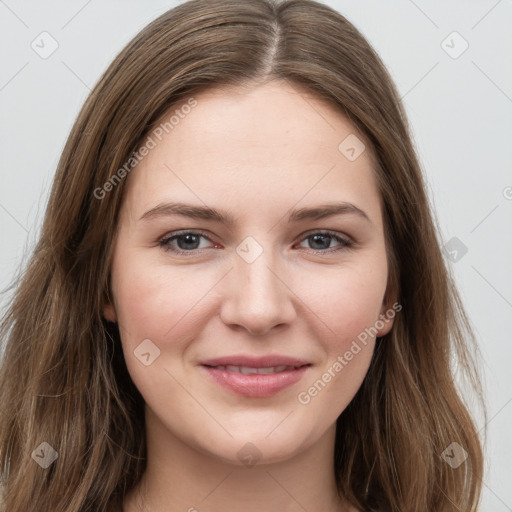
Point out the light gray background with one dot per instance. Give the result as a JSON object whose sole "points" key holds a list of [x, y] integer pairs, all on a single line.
{"points": [[460, 110]]}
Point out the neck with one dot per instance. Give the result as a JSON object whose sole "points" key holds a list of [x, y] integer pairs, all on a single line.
{"points": [[181, 478]]}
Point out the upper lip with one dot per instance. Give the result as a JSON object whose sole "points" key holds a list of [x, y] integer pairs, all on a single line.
{"points": [[269, 361]]}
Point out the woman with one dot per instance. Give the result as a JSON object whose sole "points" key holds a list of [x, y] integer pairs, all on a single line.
{"points": [[238, 297]]}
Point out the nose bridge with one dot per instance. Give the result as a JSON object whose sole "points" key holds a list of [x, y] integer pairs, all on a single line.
{"points": [[257, 281], [258, 298]]}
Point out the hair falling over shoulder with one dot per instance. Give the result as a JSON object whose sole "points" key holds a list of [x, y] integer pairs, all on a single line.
{"points": [[63, 380]]}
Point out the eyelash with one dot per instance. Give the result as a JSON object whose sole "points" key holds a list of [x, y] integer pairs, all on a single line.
{"points": [[165, 243]]}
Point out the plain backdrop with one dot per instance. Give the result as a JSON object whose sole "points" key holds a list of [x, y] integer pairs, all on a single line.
{"points": [[451, 63]]}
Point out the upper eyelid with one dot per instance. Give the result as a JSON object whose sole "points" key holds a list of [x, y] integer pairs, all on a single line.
{"points": [[325, 232]]}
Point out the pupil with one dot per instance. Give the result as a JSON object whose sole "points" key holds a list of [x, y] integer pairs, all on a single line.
{"points": [[189, 239], [325, 245]]}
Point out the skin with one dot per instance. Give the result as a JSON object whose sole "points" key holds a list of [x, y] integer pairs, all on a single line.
{"points": [[255, 152]]}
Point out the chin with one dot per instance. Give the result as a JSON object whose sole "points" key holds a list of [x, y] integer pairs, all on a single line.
{"points": [[248, 450]]}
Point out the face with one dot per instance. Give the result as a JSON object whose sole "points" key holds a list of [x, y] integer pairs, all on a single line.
{"points": [[249, 313]]}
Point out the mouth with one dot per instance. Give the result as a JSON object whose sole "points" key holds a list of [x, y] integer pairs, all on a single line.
{"points": [[255, 377], [248, 370]]}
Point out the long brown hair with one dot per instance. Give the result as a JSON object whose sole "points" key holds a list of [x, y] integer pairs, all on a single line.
{"points": [[63, 380]]}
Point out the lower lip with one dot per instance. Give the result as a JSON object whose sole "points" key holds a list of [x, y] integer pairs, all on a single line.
{"points": [[256, 385]]}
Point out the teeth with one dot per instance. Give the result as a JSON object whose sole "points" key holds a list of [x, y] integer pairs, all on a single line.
{"points": [[248, 371], [253, 371], [266, 370]]}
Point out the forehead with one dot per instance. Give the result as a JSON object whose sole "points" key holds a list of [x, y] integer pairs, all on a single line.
{"points": [[274, 141], [278, 119]]}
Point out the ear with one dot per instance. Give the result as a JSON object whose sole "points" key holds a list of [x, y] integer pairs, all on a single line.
{"points": [[390, 306], [109, 312], [388, 311]]}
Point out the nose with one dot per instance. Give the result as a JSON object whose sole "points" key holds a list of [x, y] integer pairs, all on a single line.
{"points": [[258, 298]]}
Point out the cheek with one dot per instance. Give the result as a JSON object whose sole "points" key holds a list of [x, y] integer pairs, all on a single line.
{"points": [[162, 305], [168, 306], [350, 311], [348, 301], [150, 302], [349, 305]]}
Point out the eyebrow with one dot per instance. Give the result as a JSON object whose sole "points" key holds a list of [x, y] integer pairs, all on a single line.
{"points": [[206, 213]]}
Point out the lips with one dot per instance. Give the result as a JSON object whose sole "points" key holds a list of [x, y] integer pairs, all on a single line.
{"points": [[270, 361], [256, 377]]}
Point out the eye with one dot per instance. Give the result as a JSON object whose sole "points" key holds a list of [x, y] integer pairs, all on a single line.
{"points": [[185, 242], [320, 242], [189, 242]]}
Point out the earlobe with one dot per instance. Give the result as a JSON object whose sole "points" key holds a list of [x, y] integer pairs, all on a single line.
{"points": [[109, 313], [109, 310], [387, 318]]}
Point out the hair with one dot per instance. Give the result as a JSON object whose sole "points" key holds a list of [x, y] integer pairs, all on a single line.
{"points": [[75, 392]]}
